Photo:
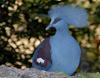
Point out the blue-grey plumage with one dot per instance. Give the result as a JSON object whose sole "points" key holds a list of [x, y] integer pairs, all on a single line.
{"points": [[65, 51], [71, 14]]}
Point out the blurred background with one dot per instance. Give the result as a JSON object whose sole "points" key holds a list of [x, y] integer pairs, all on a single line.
{"points": [[22, 29]]}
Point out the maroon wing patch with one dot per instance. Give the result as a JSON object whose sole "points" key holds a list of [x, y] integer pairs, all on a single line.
{"points": [[42, 56]]}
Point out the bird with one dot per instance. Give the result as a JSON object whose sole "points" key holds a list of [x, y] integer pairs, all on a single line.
{"points": [[61, 52]]}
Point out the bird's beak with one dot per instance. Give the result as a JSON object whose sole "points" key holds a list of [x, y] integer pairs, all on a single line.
{"points": [[48, 27]]}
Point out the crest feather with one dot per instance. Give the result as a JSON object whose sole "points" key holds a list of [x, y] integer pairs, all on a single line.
{"points": [[70, 14]]}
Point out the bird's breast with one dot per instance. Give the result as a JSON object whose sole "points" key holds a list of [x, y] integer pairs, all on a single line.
{"points": [[65, 53]]}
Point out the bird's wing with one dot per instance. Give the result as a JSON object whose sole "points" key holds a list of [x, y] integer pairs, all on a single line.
{"points": [[42, 56]]}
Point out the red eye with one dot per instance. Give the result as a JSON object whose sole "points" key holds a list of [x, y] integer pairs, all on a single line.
{"points": [[56, 20]]}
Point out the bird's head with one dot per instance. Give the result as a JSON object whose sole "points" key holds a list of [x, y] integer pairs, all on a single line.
{"points": [[56, 23], [67, 14]]}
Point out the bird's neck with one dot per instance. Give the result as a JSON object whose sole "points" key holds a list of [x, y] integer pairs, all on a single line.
{"points": [[61, 32]]}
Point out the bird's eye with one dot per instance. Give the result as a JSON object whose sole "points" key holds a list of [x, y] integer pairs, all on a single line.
{"points": [[56, 20]]}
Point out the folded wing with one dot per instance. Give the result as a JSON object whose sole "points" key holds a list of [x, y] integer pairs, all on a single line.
{"points": [[42, 56]]}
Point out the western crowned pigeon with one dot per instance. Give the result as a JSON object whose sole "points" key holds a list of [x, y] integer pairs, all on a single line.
{"points": [[61, 52]]}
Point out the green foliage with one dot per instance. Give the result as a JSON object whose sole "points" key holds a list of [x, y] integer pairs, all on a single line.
{"points": [[90, 75]]}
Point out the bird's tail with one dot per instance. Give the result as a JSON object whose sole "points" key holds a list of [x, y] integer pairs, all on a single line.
{"points": [[70, 14]]}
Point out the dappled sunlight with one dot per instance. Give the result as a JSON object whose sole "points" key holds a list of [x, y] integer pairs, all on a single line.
{"points": [[23, 45]]}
